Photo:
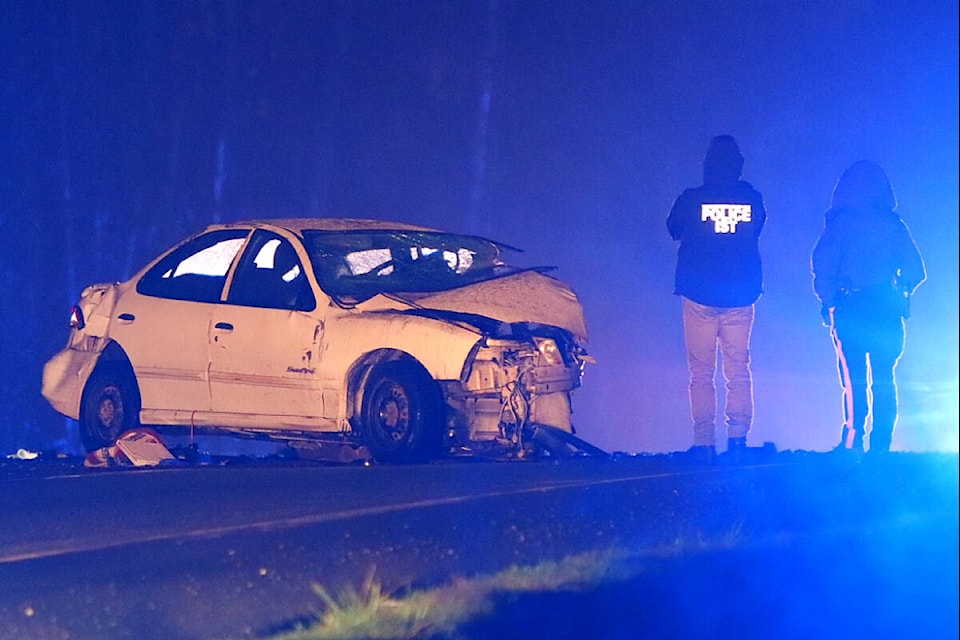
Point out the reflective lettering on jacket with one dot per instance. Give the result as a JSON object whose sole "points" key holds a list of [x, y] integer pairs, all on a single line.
{"points": [[725, 216]]}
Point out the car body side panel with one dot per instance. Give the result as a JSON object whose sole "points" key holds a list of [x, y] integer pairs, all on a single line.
{"points": [[167, 343], [265, 361], [247, 422], [441, 347]]}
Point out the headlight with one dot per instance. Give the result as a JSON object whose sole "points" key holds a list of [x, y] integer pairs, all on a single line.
{"points": [[549, 351]]}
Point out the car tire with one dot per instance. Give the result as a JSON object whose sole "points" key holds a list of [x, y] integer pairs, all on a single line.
{"points": [[110, 406], [400, 416]]}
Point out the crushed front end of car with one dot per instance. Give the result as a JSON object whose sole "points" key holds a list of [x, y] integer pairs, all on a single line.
{"points": [[513, 393], [513, 387]]}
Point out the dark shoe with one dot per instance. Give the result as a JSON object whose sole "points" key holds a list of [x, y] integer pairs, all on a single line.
{"points": [[876, 453], [843, 454], [704, 454], [736, 452], [737, 444], [878, 444]]}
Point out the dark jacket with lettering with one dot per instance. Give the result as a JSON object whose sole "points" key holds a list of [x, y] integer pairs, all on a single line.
{"points": [[718, 226]]}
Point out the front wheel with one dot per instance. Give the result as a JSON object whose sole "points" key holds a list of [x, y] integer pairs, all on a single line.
{"points": [[110, 406], [400, 417]]}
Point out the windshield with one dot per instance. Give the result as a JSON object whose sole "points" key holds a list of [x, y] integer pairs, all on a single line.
{"points": [[359, 264]]}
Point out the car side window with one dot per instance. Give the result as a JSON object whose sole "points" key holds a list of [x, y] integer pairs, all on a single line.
{"points": [[270, 275], [196, 271]]}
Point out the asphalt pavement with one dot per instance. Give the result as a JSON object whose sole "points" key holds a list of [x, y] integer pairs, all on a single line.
{"points": [[783, 545]]}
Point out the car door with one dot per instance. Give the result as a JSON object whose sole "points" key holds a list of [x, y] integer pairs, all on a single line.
{"points": [[163, 326], [264, 343]]}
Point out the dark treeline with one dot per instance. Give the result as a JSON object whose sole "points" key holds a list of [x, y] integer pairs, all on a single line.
{"points": [[562, 127], [126, 126]]}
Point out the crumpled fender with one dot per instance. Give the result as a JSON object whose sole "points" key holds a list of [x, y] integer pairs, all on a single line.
{"points": [[441, 347], [64, 377], [97, 302]]}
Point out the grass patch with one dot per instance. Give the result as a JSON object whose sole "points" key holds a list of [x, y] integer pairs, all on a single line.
{"points": [[369, 613]]}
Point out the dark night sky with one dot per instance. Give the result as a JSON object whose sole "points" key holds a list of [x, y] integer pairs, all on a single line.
{"points": [[566, 128]]}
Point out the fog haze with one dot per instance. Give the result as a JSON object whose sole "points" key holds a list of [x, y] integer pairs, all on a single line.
{"points": [[564, 128]]}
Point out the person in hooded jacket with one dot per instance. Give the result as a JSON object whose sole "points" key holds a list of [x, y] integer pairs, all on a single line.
{"points": [[719, 279], [865, 267]]}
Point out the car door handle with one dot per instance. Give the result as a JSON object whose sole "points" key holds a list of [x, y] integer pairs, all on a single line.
{"points": [[127, 317], [226, 326]]}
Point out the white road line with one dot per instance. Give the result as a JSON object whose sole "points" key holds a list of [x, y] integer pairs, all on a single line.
{"points": [[68, 547]]}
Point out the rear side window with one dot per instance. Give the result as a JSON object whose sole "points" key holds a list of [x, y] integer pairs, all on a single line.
{"points": [[197, 270]]}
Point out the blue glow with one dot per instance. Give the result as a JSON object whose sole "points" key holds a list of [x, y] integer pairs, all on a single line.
{"points": [[561, 128]]}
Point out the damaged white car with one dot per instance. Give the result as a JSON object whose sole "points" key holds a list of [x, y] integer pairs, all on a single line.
{"points": [[406, 342]]}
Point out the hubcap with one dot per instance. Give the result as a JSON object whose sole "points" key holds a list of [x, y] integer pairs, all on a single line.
{"points": [[110, 410], [394, 412]]}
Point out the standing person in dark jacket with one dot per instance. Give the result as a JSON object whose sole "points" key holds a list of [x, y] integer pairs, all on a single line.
{"points": [[865, 268], [719, 278]]}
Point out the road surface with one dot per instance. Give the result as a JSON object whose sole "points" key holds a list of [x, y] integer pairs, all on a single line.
{"points": [[786, 545]]}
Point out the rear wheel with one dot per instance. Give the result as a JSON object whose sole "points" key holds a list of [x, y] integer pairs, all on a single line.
{"points": [[110, 406], [400, 417]]}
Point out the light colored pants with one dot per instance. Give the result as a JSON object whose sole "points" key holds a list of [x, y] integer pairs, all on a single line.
{"points": [[704, 329]]}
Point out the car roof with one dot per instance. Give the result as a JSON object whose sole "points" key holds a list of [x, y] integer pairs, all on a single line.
{"points": [[298, 225]]}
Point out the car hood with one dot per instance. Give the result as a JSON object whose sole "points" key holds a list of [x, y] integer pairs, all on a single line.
{"points": [[526, 296]]}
